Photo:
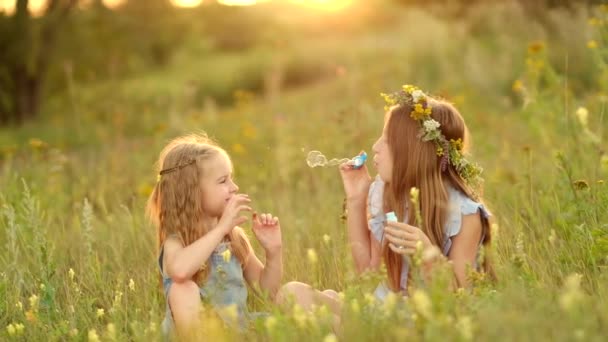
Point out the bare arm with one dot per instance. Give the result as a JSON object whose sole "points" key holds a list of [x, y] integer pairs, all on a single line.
{"points": [[465, 246], [268, 276], [359, 236], [267, 230], [181, 263]]}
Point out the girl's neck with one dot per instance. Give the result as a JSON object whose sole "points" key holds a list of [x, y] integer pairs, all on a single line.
{"points": [[209, 223]]}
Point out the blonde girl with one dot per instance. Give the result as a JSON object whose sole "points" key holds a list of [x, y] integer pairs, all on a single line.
{"points": [[203, 254]]}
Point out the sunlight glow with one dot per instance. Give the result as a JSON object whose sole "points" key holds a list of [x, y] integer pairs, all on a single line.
{"points": [[36, 7], [186, 3], [238, 2], [327, 5], [113, 3]]}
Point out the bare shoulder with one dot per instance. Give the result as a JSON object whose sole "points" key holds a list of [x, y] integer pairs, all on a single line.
{"points": [[471, 228]]}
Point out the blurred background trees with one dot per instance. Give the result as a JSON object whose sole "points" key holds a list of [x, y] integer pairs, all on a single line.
{"points": [[70, 42]]}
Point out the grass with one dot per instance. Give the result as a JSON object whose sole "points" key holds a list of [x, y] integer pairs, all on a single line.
{"points": [[74, 184]]}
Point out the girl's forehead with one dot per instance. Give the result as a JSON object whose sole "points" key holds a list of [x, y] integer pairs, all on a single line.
{"points": [[220, 164]]}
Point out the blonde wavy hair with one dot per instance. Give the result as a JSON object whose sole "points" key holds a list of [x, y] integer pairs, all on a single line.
{"points": [[175, 205], [416, 164]]}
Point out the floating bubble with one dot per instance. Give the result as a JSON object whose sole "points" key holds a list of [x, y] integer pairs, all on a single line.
{"points": [[316, 158]]}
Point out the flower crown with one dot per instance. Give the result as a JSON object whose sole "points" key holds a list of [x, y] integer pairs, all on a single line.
{"points": [[450, 151]]}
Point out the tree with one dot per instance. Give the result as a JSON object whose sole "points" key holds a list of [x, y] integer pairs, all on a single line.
{"points": [[28, 44]]}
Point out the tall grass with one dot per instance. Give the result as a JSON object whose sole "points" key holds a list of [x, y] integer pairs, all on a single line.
{"points": [[79, 259]]}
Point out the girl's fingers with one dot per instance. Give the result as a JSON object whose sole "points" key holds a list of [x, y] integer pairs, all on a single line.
{"points": [[275, 221], [401, 242], [401, 226], [402, 251], [400, 233], [243, 208]]}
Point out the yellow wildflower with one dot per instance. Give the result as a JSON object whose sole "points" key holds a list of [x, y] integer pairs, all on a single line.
{"points": [[572, 294], [604, 163], [238, 148], [71, 273], [93, 337], [131, 285], [230, 312], [536, 47], [111, 331], [465, 326], [312, 256], [390, 302], [30, 316], [19, 306], [552, 237], [592, 44], [270, 323], [299, 316], [354, 305], [10, 329], [19, 327], [100, 312], [517, 86], [330, 338], [326, 239], [37, 144], [33, 302], [422, 303], [582, 114], [594, 21]]}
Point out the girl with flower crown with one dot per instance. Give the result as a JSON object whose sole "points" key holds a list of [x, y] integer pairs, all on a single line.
{"points": [[421, 151], [203, 255]]}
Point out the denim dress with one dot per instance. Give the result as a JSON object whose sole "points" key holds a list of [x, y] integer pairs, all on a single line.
{"points": [[225, 289], [459, 204]]}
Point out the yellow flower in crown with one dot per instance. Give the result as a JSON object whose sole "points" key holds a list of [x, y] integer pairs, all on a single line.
{"points": [[457, 144], [439, 151]]}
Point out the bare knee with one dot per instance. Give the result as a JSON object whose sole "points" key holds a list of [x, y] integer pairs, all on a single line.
{"points": [[331, 293], [293, 289]]}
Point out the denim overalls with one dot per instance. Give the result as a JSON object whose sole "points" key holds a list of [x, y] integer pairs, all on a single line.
{"points": [[224, 288]]}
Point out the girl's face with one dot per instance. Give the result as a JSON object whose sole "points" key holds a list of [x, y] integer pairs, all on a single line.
{"points": [[218, 185], [383, 159]]}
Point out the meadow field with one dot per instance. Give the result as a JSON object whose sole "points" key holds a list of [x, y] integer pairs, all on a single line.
{"points": [[79, 256]]}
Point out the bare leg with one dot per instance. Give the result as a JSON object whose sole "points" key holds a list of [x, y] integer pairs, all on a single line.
{"points": [[306, 296], [185, 304], [331, 293]]}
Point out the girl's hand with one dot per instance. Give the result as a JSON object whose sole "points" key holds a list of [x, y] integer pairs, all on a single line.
{"points": [[230, 218], [356, 181], [403, 238], [268, 232]]}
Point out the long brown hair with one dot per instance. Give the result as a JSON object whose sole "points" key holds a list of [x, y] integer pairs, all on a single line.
{"points": [[416, 164], [175, 205]]}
